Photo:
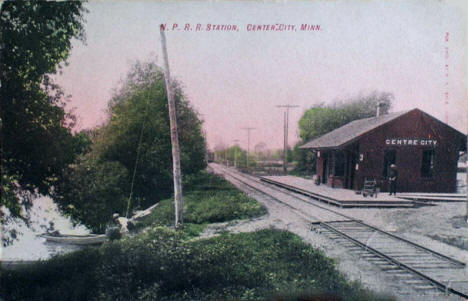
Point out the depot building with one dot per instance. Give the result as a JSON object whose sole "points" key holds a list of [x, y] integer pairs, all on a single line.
{"points": [[425, 150]]}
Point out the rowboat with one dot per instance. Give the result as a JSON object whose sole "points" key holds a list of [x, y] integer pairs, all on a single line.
{"points": [[89, 239]]}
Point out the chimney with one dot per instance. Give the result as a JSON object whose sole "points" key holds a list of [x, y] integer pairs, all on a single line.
{"points": [[379, 108]]}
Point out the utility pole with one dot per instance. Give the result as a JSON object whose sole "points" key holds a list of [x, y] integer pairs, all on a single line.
{"points": [[204, 137], [286, 129], [236, 141], [178, 201], [248, 129], [225, 157]]}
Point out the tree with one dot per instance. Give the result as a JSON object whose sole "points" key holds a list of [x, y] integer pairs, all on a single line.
{"points": [[322, 119], [234, 154], [136, 143], [95, 189], [36, 141]]}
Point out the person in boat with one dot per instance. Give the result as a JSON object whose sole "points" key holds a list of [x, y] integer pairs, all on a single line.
{"points": [[113, 231], [121, 222], [51, 230], [392, 178]]}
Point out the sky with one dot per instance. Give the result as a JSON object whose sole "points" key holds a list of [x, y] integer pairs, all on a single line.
{"points": [[235, 79]]}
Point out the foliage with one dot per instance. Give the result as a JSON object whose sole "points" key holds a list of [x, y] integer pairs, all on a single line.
{"points": [[160, 265], [163, 264], [97, 190], [322, 119], [209, 199], [139, 126], [36, 142], [306, 161], [35, 39], [137, 140], [66, 277], [235, 155]]}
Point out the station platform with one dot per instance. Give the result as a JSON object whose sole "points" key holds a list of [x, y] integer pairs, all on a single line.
{"points": [[433, 197], [336, 196]]}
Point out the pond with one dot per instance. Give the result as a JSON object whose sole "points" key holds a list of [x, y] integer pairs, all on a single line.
{"points": [[28, 245]]}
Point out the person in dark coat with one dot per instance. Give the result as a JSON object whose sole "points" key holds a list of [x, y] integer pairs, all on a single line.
{"points": [[392, 178], [113, 231]]}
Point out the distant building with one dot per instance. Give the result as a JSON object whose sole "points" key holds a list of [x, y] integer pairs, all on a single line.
{"points": [[425, 150]]}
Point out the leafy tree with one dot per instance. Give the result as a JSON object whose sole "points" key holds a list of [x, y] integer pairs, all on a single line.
{"points": [[36, 142], [322, 119], [96, 187], [136, 140], [236, 154]]}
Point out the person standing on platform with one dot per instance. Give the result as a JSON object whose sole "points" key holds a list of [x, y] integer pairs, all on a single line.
{"points": [[392, 178]]}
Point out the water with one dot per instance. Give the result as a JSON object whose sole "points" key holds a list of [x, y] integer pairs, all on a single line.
{"points": [[29, 246]]}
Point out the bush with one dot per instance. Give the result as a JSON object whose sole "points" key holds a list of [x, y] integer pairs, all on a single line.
{"points": [[160, 265], [221, 206], [208, 199], [65, 277], [92, 192]]}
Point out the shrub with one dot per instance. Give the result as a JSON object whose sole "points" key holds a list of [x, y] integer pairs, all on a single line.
{"points": [[208, 199], [92, 191], [159, 264]]}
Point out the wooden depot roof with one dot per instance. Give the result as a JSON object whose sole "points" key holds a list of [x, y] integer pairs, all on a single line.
{"points": [[351, 131]]}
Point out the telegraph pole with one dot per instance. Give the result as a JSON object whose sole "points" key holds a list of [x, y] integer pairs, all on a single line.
{"points": [[286, 129], [178, 201], [248, 129], [236, 141]]}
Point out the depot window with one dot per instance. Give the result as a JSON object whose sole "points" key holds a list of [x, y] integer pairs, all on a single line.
{"points": [[427, 166]]}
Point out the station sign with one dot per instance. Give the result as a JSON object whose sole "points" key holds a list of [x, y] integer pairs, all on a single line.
{"points": [[411, 141]]}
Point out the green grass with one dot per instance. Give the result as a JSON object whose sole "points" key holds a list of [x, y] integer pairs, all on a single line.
{"points": [[208, 199], [161, 265], [164, 264]]}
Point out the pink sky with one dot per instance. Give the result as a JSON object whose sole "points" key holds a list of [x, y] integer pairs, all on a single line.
{"points": [[235, 79]]}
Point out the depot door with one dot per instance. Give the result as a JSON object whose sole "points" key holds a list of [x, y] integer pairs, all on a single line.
{"points": [[325, 171]]}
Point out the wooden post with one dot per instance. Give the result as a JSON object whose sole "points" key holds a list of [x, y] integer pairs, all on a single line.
{"points": [[286, 129], [248, 129], [178, 201], [285, 144], [235, 153]]}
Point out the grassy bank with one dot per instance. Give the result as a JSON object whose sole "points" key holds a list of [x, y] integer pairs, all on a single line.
{"points": [[208, 199], [162, 264]]}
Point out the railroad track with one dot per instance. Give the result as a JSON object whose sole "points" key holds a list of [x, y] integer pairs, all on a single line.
{"points": [[416, 265]]}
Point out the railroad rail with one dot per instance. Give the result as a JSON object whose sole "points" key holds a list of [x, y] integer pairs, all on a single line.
{"points": [[418, 266]]}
